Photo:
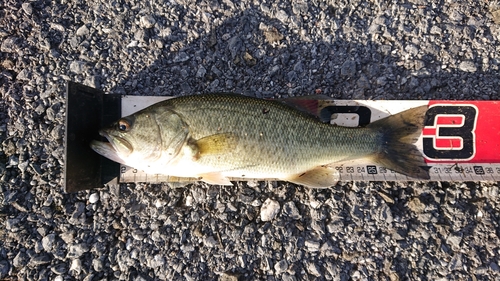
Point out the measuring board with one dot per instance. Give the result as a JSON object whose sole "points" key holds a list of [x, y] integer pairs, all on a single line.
{"points": [[460, 140]]}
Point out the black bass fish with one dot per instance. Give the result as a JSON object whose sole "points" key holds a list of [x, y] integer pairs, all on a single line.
{"points": [[216, 137]]}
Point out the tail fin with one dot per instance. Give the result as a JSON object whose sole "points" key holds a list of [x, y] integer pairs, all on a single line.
{"points": [[397, 150]]}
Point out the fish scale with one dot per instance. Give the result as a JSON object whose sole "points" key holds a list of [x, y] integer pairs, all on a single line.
{"points": [[268, 141]]}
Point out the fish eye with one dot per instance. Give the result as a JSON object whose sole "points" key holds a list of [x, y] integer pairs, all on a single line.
{"points": [[123, 125]]}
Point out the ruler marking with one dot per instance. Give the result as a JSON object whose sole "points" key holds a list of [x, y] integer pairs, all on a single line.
{"points": [[491, 172], [488, 171], [394, 175], [440, 172]]}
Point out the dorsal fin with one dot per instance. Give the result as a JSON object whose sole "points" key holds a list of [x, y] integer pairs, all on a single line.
{"points": [[308, 104]]}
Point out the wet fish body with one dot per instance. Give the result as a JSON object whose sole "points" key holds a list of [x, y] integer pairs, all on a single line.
{"points": [[220, 136]]}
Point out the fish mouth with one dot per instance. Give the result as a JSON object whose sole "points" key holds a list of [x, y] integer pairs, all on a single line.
{"points": [[119, 144], [107, 150], [113, 148]]}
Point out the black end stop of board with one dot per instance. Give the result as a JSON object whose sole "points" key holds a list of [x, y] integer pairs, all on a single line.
{"points": [[87, 110]]}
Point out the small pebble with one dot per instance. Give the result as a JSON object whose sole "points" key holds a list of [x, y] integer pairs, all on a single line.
{"points": [[27, 8], [348, 68], [77, 250], [82, 31], [59, 269], [97, 265], [467, 66], [210, 241], [20, 260], [280, 267], [9, 44], [77, 67], [290, 209], [76, 267], [40, 260], [93, 198], [147, 21], [48, 242], [269, 210], [4, 268], [454, 242], [201, 72]]}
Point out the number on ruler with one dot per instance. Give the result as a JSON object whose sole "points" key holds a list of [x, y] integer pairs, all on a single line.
{"points": [[479, 170], [372, 170], [458, 169]]}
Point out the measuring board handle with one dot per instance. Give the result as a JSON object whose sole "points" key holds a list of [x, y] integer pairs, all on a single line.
{"points": [[87, 110]]}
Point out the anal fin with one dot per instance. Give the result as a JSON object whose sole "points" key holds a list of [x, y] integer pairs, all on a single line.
{"points": [[215, 178], [319, 177]]}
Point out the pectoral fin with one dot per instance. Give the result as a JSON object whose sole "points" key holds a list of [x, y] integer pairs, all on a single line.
{"points": [[215, 178], [319, 177], [216, 144]]}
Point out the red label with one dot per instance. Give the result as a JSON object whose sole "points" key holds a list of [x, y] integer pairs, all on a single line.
{"points": [[462, 131], [446, 142]]}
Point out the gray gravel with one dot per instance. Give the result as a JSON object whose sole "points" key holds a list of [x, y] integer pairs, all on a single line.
{"points": [[256, 230]]}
